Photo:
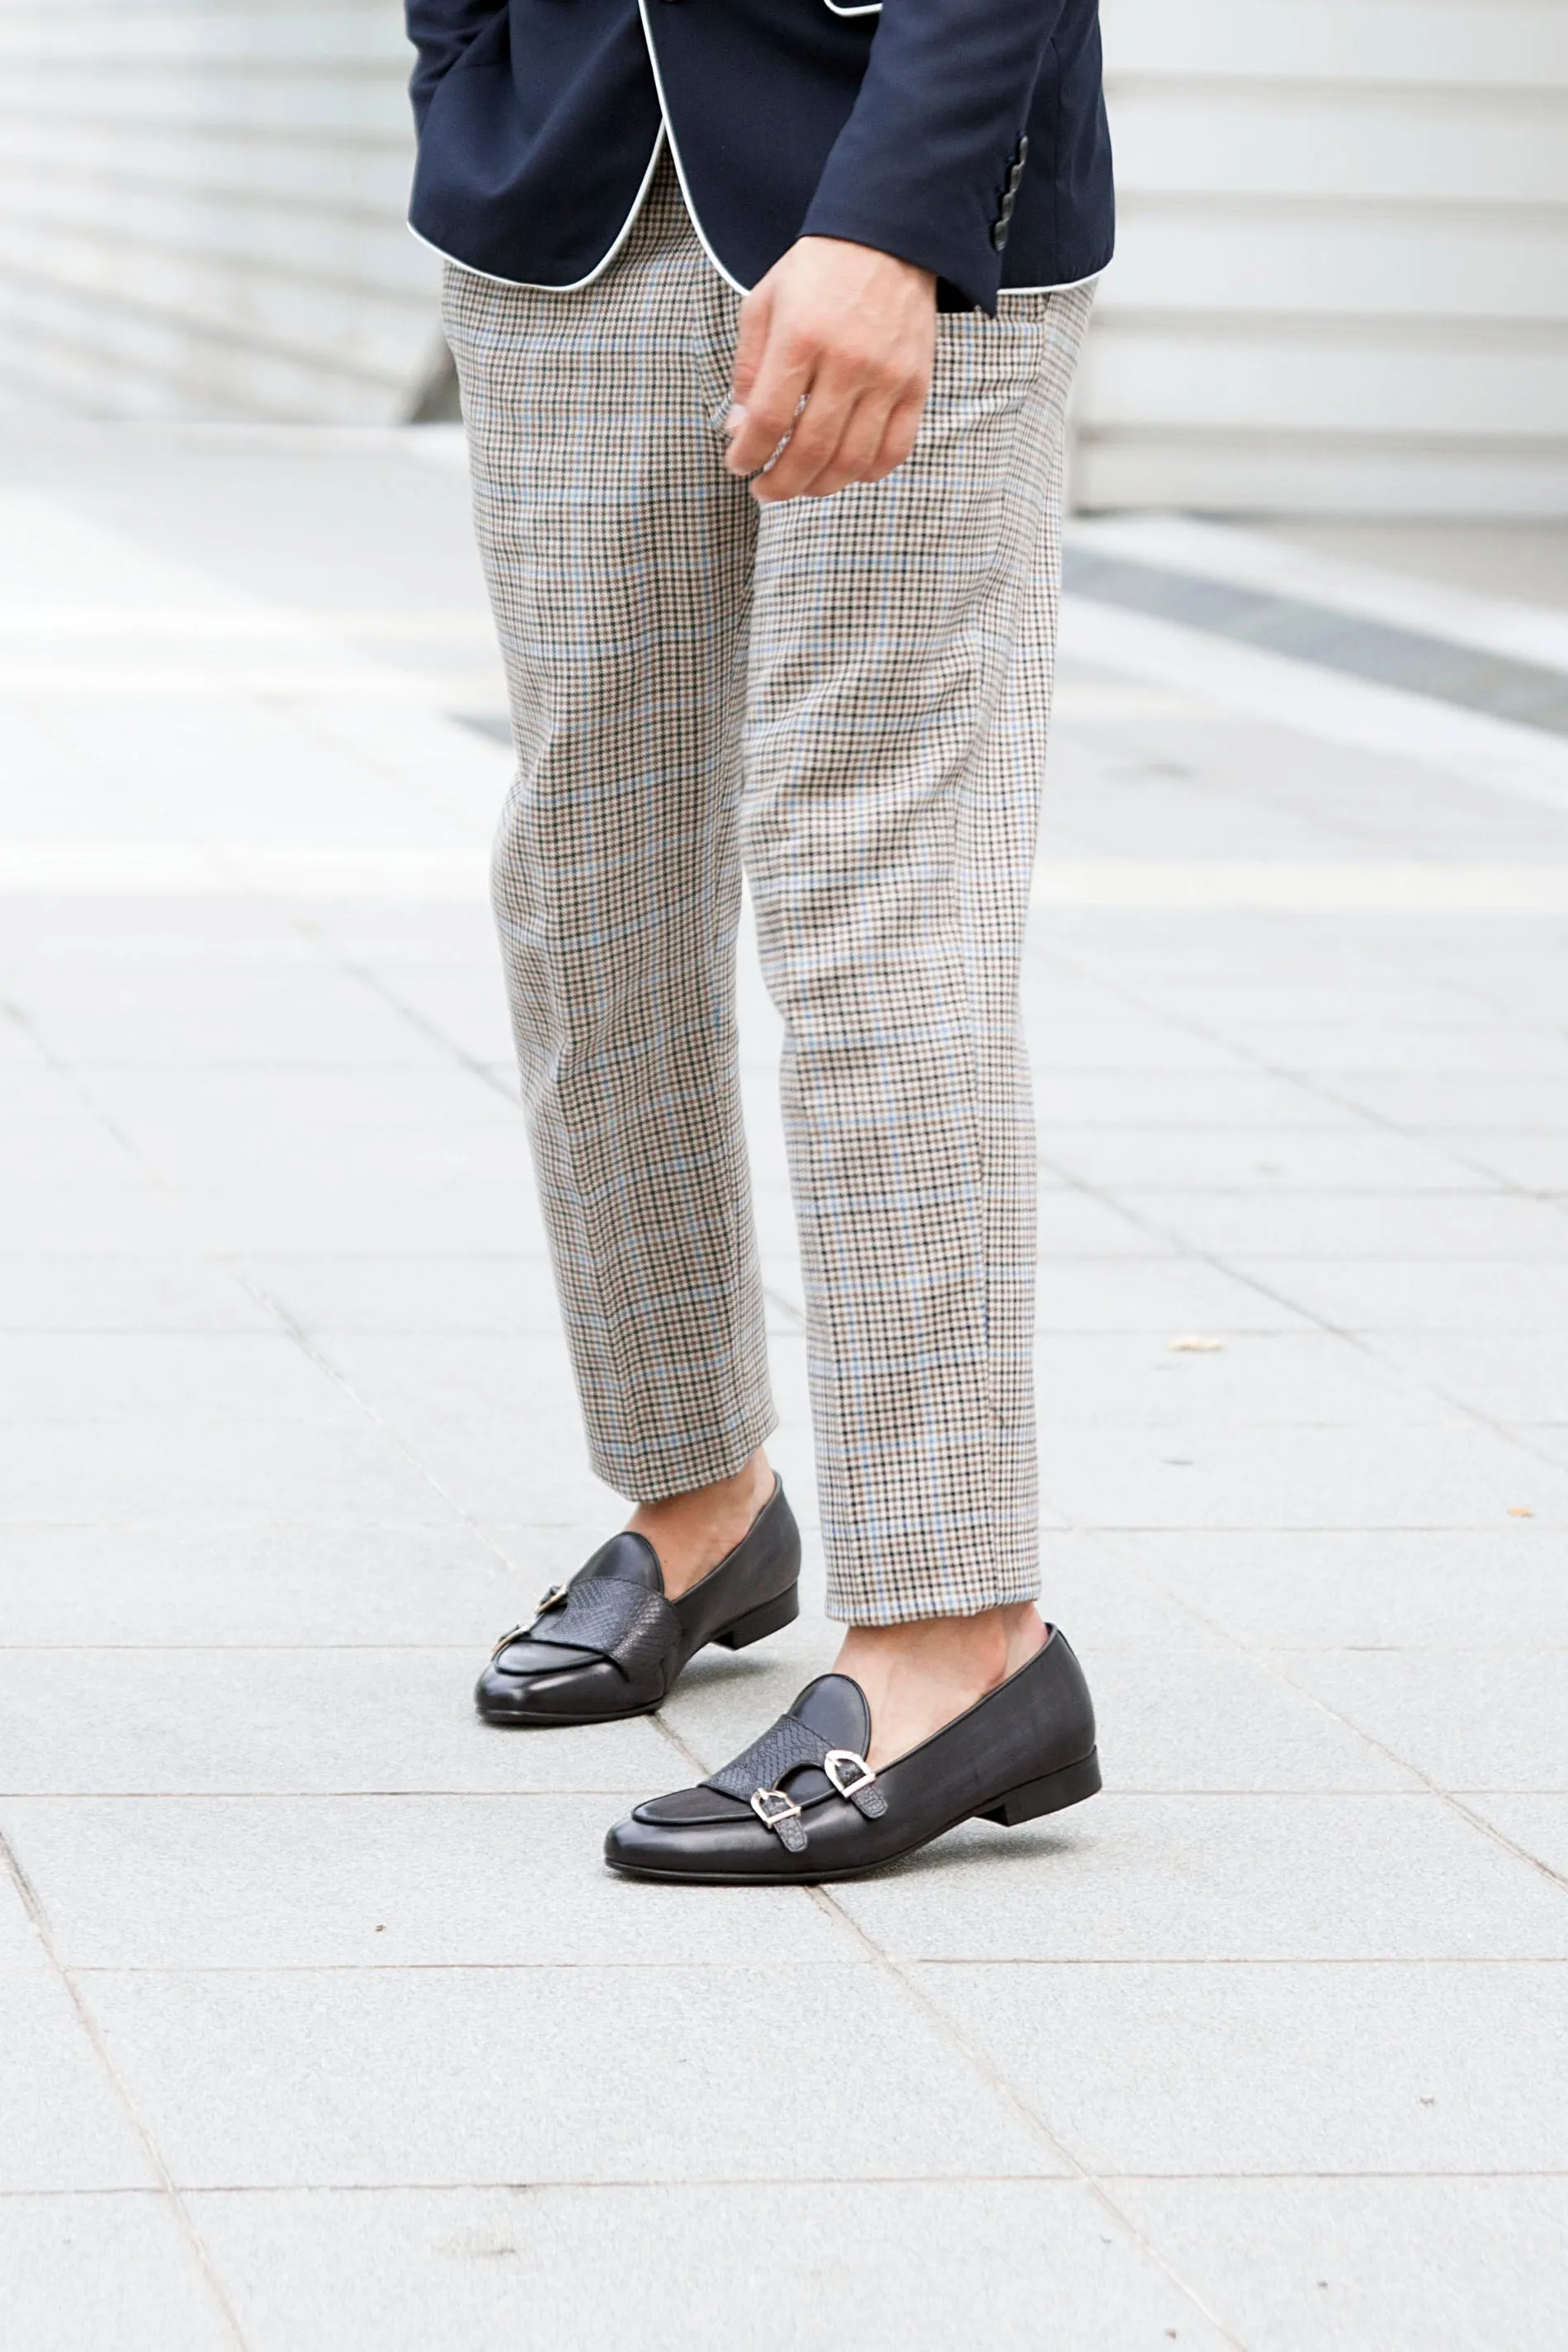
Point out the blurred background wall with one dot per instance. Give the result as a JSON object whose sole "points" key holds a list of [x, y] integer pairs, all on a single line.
{"points": [[1342, 284], [202, 211], [1342, 277]]}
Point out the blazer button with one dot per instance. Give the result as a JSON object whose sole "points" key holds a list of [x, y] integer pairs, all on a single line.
{"points": [[999, 234]]}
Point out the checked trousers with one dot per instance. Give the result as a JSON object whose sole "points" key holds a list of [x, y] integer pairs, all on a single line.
{"points": [[848, 699]]}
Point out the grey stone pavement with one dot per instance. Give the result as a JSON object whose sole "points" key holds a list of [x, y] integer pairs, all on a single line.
{"points": [[321, 2025]]}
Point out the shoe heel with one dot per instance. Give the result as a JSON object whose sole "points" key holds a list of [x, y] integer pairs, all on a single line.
{"points": [[1070, 1785], [758, 1624]]}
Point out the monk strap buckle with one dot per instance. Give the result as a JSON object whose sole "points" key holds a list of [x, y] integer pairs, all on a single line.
{"points": [[553, 1596], [849, 1773], [772, 1806], [781, 1815]]}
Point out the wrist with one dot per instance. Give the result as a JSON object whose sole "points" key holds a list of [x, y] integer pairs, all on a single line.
{"points": [[911, 272]]}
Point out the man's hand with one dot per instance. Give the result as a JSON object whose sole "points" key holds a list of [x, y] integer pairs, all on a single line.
{"points": [[851, 333]]}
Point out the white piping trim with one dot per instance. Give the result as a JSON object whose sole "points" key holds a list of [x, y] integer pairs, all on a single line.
{"points": [[675, 156], [526, 285], [1068, 286], [665, 133], [871, 8]]}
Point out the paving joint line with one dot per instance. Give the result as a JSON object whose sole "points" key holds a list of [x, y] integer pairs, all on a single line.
{"points": [[652, 2183], [1083, 2173], [1267, 1658], [1219, 1265], [884, 1962], [371, 980], [239, 1273], [32, 1904]]}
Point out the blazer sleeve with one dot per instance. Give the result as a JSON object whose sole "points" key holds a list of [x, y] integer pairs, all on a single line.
{"points": [[440, 31], [920, 167]]}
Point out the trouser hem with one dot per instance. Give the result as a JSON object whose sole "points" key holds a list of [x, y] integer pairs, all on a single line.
{"points": [[879, 1601], [654, 1475]]}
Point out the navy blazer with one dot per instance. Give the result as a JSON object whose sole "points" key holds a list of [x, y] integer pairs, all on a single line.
{"points": [[967, 136]]}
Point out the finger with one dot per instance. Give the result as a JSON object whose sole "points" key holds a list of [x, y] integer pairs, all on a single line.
{"points": [[898, 435], [756, 314], [813, 443], [773, 401], [857, 451]]}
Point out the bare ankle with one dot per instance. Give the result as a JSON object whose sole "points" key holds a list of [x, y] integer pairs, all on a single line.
{"points": [[693, 1532], [919, 1677]]}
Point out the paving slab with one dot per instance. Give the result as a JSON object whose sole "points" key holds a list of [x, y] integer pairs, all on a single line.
{"points": [[1538, 1825], [510, 1290], [1359, 1589], [1477, 1294], [1456, 1101], [388, 1883], [1214, 1720], [1548, 1440], [280, 2080], [209, 1470], [63, 2123], [287, 1585], [98, 1722], [1535, 1158], [125, 1217], [160, 1029], [1158, 1098], [288, 1437], [110, 2269], [65, 1146], [1162, 1295], [142, 1377], [1241, 1227], [1105, 1040], [1219, 1877], [20, 1945], [1340, 1059], [1128, 1162], [1075, 1225], [1035, 2262], [209, 1124], [102, 1291], [1216, 1472], [318, 1211], [1486, 1719], [1236, 2067], [1513, 1377], [1305, 2266], [1093, 1586], [1238, 1380]]}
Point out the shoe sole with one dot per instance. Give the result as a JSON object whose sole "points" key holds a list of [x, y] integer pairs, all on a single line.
{"points": [[1030, 1801], [754, 1626]]}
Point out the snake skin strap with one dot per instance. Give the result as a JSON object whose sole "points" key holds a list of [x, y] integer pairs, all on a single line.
{"points": [[635, 1629], [784, 1748]]}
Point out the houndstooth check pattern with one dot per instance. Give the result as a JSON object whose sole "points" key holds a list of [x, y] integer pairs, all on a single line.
{"points": [[851, 695]]}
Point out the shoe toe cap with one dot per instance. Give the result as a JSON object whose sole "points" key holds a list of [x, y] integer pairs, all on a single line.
{"points": [[667, 1840], [506, 1693]]}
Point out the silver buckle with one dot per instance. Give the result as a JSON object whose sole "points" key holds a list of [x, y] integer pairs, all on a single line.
{"points": [[772, 1806], [841, 1761], [554, 1596]]}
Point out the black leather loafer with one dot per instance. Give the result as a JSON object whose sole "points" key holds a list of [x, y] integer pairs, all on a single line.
{"points": [[802, 1804], [609, 1645]]}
